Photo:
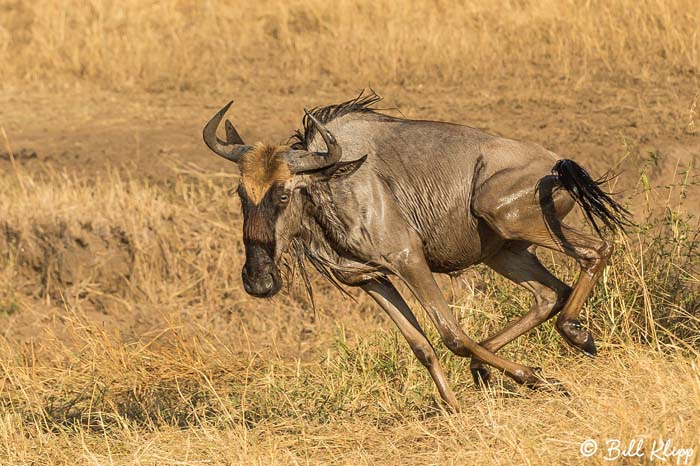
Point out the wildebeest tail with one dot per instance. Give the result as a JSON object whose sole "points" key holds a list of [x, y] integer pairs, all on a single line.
{"points": [[596, 203]]}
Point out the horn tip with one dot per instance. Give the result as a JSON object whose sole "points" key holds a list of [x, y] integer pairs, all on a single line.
{"points": [[225, 108]]}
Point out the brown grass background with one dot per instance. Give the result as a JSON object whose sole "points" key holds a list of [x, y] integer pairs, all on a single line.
{"points": [[127, 337], [194, 45]]}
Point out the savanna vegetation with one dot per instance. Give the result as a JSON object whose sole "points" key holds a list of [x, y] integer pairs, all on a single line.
{"points": [[127, 336]]}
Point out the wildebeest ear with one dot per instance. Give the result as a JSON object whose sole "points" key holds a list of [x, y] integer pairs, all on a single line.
{"points": [[341, 169]]}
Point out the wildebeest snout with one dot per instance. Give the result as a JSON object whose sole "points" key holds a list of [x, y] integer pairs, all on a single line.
{"points": [[261, 277]]}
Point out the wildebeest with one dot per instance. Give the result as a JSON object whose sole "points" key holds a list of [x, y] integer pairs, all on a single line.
{"points": [[365, 196]]}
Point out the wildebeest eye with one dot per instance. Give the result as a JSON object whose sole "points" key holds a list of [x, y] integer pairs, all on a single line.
{"points": [[284, 198]]}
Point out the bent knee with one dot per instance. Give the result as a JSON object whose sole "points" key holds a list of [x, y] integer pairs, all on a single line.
{"points": [[549, 302], [545, 301], [597, 256], [606, 250]]}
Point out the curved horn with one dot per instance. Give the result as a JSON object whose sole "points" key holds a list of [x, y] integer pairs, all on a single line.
{"points": [[300, 161], [233, 148], [232, 136]]}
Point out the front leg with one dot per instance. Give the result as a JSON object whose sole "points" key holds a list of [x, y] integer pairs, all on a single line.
{"points": [[389, 299], [412, 267]]}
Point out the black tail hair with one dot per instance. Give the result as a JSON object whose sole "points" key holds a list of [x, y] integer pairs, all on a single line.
{"points": [[595, 202]]}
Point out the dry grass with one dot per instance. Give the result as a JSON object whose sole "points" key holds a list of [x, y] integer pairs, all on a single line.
{"points": [[200, 372], [185, 402], [128, 338], [217, 44]]}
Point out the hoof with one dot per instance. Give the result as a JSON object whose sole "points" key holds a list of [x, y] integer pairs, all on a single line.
{"points": [[538, 382], [577, 337], [481, 375]]}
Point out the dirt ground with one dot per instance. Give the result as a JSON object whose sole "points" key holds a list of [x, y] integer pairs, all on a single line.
{"points": [[606, 127]]}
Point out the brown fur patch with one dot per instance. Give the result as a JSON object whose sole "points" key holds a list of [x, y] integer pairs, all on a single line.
{"points": [[261, 168]]}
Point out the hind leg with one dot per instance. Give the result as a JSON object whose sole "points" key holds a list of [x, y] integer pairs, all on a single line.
{"points": [[534, 216], [521, 266], [591, 253]]}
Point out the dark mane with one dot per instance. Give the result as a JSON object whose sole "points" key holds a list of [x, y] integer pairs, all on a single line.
{"points": [[300, 140], [361, 104]]}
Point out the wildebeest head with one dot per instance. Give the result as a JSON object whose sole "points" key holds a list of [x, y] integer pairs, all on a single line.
{"points": [[271, 176]]}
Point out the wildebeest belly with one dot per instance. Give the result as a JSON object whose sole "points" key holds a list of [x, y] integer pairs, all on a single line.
{"points": [[458, 242]]}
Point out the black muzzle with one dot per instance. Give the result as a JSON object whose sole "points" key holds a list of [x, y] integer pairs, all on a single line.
{"points": [[261, 277]]}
